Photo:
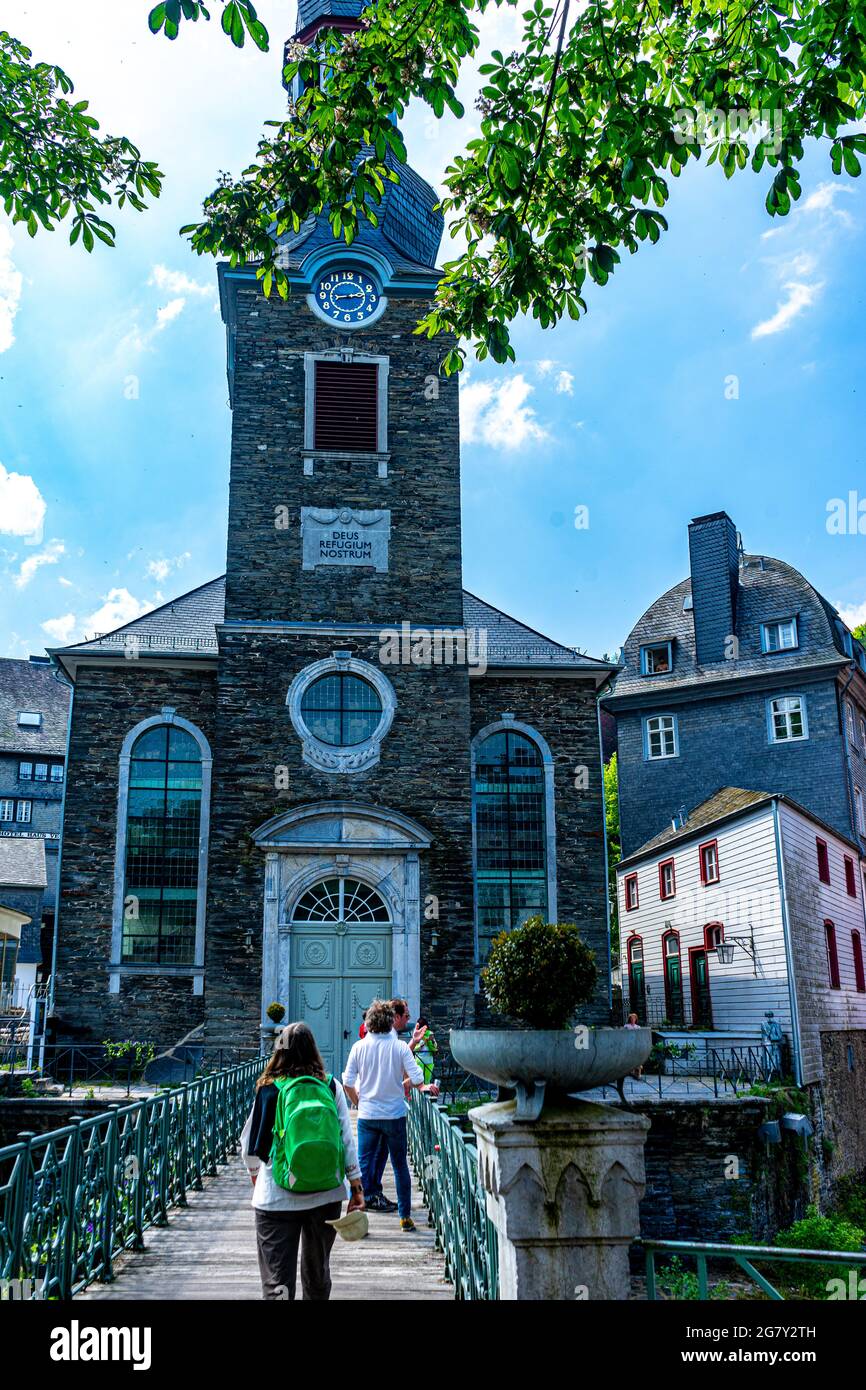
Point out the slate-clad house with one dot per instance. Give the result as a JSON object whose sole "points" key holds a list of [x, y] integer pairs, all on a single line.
{"points": [[332, 773], [34, 708], [742, 674]]}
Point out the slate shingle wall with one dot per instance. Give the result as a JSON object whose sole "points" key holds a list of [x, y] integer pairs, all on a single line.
{"points": [[724, 743]]}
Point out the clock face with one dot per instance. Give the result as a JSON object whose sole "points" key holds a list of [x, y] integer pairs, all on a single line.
{"points": [[347, 296]]}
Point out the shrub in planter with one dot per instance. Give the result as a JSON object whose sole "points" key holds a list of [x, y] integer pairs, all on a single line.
{"points": [[276, 1012], [540, 973]]}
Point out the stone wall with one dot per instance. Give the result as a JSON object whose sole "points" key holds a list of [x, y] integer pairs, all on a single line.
{"points": [[265, 579], [564, 712], [110, 701], [840, 1110]]}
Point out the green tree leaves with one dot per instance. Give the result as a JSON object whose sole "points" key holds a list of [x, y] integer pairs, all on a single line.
{"points": [[577, 133], [239, 18], [54, 164]]}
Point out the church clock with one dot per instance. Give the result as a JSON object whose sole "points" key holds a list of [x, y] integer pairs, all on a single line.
{"points": [[345, 296]]}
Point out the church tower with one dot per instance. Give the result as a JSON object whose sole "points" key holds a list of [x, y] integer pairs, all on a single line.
{"points": [[342, 763], [345, 486]]}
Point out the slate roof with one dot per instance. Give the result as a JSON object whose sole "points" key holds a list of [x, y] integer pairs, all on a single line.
{"points": [[188, 625], [22, 862], [725, 804], [311, 10], [29, 685], [768, 589]]}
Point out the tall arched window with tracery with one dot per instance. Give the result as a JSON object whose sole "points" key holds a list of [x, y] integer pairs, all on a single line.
{"points": [[162, 847], [160, 882], [513, 816]]}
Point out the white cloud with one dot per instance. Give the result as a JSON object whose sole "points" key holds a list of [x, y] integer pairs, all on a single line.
{"points": [[564, 383], [161, 568], [61, 629], [852, 613], [138, 340], [823, 199], [119, 606], [176, 282], [67, 583], [22, 506], [496, 414], [545, 366], [799, 297], [49, 556], [10, 290]]}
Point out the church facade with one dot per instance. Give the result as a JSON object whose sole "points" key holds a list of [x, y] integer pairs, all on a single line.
{"points": [[332, 773]]}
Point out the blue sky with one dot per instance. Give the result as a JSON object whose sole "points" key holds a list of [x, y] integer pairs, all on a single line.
{"points": [[722, 368]]}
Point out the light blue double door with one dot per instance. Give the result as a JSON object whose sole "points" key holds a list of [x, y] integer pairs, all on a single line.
{"points": [[336, 969]]}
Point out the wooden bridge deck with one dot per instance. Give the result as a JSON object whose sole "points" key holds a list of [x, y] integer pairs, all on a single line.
{"points": [[208, 1251]]}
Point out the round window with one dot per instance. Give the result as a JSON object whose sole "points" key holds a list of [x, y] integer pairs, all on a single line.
{"points": [[341, 709]]}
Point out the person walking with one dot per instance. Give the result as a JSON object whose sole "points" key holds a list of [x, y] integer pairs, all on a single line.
{"points": [[306, 1110], [373, 1080]]}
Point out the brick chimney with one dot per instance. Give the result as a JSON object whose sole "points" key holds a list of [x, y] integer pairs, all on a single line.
{"points": [[714, 564]]}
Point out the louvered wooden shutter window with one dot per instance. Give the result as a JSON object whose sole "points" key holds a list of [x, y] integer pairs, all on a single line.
{"points": [[346, 406]]}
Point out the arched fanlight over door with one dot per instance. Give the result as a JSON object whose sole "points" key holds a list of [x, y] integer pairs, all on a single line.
{"points": [[341, 900]]}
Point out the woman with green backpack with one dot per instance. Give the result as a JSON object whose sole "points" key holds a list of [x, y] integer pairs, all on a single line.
{"points": [[300, 1152]]}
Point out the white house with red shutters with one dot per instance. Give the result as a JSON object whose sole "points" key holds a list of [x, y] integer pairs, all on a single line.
{"points": [[748, 907]]}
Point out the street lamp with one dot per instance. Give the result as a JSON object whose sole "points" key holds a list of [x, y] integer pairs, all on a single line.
{"points": [[725, 949]]}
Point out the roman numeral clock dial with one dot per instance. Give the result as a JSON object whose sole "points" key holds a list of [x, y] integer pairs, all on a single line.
{"points": [[347, 297]]}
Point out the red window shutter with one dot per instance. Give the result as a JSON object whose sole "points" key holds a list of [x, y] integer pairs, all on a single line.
{"points": [[859, 976], [850, 880], [832, 955], [823, 861], [346, 406]]}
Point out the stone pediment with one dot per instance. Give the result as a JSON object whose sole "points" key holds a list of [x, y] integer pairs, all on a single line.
{"points": [[335, 824]]}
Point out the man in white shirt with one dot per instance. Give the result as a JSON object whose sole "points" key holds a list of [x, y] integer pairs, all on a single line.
{"points": [[373, 1080]]}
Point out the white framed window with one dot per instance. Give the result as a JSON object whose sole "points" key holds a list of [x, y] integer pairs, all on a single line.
{"points": [[779, 636], [661, 739], [656, 659], [7, 809], [341, 709], [56, 772], [863, 733], [25, 772], [345, 404], [40, 772], [786, 719], [29, 719], [24, 812], [631, 893], [858, 806], [849, 720]]}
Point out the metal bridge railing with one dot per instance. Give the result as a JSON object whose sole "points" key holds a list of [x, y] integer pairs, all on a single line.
{"points": [[446, 1163], [73, 1199], [744, 1256]]}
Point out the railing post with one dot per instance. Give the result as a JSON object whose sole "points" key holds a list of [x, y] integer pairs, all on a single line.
{"points": [[140, 1154], [109, 1159], [651, 1276], [184, 1143], [23, 1203], [72, 1182], [163, 1166]]}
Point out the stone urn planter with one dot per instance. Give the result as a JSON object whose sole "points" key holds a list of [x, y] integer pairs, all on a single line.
{"points": [[550, 1064]]}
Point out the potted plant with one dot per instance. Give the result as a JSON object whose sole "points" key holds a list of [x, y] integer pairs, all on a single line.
{"points": [[539, 975], [276, 1013]]}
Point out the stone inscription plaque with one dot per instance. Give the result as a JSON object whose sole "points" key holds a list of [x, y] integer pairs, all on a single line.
{"points": [[340, 536]]}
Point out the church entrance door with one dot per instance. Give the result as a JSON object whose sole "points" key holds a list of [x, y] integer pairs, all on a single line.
{"points": [[340, 960]]}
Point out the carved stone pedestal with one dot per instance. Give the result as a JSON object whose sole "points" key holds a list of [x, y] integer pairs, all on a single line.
{"points": [[563, 1193]]}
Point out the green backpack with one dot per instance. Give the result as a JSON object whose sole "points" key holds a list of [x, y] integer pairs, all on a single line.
{"points": [[307, 1151]]}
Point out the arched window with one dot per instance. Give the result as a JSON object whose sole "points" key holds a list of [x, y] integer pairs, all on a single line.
{"points": [[673, 978], [340, 900], [161, 861], [636, 979], [513, 816]]}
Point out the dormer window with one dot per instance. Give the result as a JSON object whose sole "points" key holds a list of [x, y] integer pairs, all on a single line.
{"points": [[779, 636], [29, 719], [656, 659]]}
